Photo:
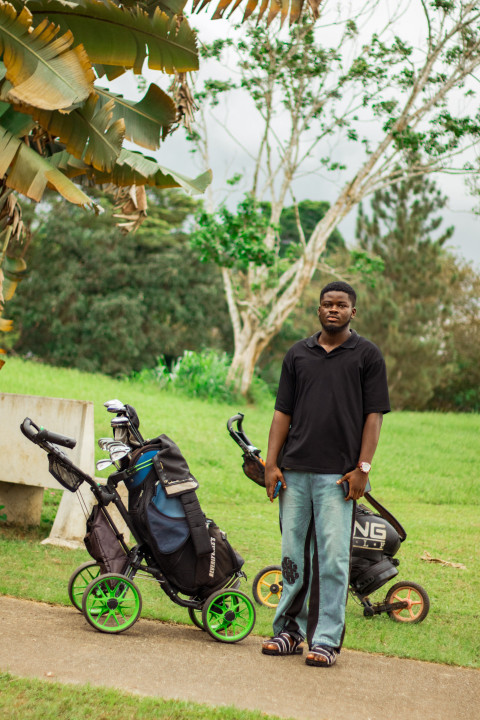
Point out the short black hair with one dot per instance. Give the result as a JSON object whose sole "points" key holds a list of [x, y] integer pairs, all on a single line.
{"points": [[340, 286]]}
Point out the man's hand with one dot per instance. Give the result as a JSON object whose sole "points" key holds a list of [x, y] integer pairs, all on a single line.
{"points": [[272, 476], [357, 481]]}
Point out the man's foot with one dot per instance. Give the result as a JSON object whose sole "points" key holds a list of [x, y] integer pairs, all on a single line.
{"points": [[322, 656], [282, 644]]}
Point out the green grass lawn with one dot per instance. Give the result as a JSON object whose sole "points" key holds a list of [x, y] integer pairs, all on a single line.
{"points": [[38, 700], [425, 473]]}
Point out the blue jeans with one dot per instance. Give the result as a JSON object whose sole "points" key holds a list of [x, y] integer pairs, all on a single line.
{"points": [[316, 526]]}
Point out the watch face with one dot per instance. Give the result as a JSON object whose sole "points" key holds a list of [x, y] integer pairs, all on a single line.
{"points": [[365, 467]]}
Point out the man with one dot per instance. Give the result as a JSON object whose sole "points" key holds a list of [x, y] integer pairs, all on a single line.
{"points": [[328, 414]]}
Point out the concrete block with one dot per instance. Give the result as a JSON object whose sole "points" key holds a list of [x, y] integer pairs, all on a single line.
{"points": [[23, 504], [26, 465], [68, 529]]}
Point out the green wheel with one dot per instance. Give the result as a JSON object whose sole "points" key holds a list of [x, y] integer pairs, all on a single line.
{"points": [[111, 603], [268, 585], [79, 580], [228, 615]]}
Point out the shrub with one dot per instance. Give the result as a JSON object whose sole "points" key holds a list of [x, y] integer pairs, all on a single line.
{"points": [[201, 375]]}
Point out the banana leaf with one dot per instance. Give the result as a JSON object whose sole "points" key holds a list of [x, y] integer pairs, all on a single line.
{"points": [[171, 7], [42, 69], [87, 132], [132, 168], [17, 123], [145, 121], [291, 8], [14, 270], [124, 37], [29, 173]]}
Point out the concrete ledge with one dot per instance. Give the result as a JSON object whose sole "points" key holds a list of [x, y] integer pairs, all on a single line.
{"points": [[24, 472], [22, 503]]}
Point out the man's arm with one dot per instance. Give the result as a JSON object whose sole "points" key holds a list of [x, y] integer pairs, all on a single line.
{"points": [[276, 440], [357, 479]]}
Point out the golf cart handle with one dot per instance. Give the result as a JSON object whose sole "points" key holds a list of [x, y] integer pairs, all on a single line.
{"points": [[235, 418], [38, 435], [239, 434]]}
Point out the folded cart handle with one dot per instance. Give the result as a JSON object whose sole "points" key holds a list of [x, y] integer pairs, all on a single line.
{"points": [[239, 435], [39, 435], [253, 463]]}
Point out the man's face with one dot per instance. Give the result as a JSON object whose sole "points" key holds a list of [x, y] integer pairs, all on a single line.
{"points": [[335, 311]]}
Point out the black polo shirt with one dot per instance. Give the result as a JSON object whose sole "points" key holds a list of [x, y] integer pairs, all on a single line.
{"points": [[328, 396]]}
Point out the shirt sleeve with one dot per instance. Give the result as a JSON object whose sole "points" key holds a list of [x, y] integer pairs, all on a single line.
{"points": [[375, 386], [285, 401]]}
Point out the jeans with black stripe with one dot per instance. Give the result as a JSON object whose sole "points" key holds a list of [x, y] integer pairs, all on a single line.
{"points": [[316, 526]]}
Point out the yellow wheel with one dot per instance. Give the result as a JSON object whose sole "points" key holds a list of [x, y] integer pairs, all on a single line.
{"points": [[267, 586], [414, 599]]}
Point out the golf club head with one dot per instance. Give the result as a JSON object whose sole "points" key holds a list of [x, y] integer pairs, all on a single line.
{"points": [[103, 464], [103, 443], [118, 453], [119, 420], [118, 445], [120, 433], [107, 443], [114, 406]]}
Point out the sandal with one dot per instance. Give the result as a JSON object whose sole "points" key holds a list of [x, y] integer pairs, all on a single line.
{"points": [[282, 644], [322, 656]]}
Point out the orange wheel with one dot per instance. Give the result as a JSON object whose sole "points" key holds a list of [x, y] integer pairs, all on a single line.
{"points": [[267, 586], [418, 603]]}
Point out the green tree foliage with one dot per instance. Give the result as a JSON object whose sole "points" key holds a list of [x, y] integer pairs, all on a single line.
{"points": [[60, 125], [459, 386], [234, 239], [305, 217], [99, 300], [404, 103], [407, 312]]}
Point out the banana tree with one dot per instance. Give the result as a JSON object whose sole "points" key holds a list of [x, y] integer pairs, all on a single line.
{"points": [[60, 125]]}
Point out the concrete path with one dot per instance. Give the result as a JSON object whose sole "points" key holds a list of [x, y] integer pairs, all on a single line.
{"points": [[182, 662]]}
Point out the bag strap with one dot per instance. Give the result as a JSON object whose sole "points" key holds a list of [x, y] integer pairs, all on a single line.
{"points": [[184, 489], [386, 516], [196, 522]]}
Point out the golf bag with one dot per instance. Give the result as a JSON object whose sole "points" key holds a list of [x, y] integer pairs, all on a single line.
{"points": [[191, 550], [375, 543]]}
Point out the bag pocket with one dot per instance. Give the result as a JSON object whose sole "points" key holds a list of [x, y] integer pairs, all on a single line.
{"points": [[102, 543], [169, 533]]}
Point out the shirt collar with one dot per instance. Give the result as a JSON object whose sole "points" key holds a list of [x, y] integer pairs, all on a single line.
{"points": [[350, 342]]}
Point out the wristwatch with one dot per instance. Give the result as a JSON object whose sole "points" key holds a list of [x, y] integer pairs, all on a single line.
{"points": [[365, 467]]}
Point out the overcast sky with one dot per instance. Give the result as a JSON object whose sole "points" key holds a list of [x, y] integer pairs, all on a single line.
{"points": [[227, 158]]}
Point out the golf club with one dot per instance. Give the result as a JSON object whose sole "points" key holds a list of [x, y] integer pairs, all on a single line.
{"points": [[103, 464], [114, 406]]}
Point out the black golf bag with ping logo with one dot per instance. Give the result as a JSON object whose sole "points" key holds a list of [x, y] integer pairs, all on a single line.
{"points": [[375, 543]]}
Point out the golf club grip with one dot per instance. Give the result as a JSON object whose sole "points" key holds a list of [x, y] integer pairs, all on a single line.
{"points": [[55, 438]]}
